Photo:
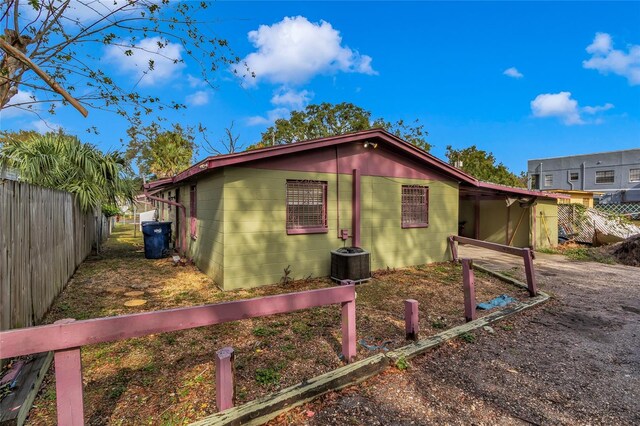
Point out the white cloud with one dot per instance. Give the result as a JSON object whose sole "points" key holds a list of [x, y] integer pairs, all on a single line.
{"points": [[43, 126], [291, 98], [606, 59], [195, 81], [513, 72], [272, 116], [199, 98], [598, 108], [166, 60], [16, 107], [557, 105], [295, 50], [602, 44], [562, 106], [82, 13]]}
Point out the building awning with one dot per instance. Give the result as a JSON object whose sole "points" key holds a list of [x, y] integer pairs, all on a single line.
{"points": [[494, 191]]}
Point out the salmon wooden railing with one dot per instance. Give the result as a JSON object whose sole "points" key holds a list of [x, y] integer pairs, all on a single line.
{"points": [[66, 337], [525, 253]]}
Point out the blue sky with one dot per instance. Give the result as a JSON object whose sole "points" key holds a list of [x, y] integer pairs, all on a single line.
{"points": [[443, 63]]}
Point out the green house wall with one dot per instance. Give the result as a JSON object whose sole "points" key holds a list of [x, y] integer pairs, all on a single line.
{"points": [[494, 216], [257, 249], [546, 224]]}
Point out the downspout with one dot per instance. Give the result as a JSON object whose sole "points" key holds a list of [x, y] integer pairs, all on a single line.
{"points": [[540, 178], [583, 166], [569, 179], [183, 218], [338, 195], [356, 208]]}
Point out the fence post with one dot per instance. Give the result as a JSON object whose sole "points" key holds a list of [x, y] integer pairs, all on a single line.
{"points": [[68, 369], [468, 281], [411, 325], [349, 329], [225, 390], [453, 248], [527, 255]]}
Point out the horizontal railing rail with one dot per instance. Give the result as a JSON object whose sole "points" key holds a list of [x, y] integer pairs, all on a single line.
{"points": [[66, 337], [525, 253]]}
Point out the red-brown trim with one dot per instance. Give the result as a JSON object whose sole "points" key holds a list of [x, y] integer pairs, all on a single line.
{"points": [[381, 135], [356, 208], [258, 154], [193, 211], [300, 231], [415, 225]]}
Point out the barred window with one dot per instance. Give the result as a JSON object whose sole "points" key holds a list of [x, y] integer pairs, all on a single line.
{"points": [[548, 180], [415, 206], [605, 176], [306, 207], [634, 175], [573, 176]]}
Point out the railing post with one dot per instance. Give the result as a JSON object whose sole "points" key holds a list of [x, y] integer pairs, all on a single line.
{"points": [[349, 330], [453, 248], [468, 281], [527, 255], [225, 389], [69, 399], [411, 325]]}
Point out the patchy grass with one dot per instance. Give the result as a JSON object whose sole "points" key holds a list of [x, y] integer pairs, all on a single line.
{"points": [[170, 378], [467, 337], [579, 252]]}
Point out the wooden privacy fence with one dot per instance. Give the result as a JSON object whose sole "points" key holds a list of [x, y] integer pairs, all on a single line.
{"points": [[66, 337], [525, 253], [44, 236]]}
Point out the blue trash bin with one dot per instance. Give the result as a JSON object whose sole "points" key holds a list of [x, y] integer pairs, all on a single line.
{"points": [[156, 239]]}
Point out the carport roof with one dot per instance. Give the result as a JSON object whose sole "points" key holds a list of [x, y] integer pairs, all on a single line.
{"points": [[488, 189]]}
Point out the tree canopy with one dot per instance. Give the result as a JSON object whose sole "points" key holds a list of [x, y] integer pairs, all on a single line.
{"points": [[482, 165], [46, 53], [326, 119], [60, 161], [159, 152]]}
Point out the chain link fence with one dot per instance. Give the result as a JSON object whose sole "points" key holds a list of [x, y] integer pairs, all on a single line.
{"points": [[630, 210], [592, 226]]}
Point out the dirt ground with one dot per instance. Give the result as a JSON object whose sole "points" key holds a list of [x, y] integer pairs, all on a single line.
{"points": [[574, 360], [170, 378]]}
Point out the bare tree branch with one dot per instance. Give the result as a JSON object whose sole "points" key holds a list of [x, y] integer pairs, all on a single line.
{"points": [[55, 86], [51, 35]]}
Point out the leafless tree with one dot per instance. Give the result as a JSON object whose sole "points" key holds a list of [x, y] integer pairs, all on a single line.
{"points": [[229, 141]]}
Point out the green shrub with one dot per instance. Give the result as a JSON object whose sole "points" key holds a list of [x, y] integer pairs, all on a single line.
{"points": [[110, 210], [468, 337], [402, 363], [267, 376]]}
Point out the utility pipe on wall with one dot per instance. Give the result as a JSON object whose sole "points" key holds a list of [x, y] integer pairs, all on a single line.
{"points": [[569, 179], [356, 208]]}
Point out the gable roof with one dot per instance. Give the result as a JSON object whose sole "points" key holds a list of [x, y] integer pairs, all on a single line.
{"points": [[380, 135], [377, 135]]}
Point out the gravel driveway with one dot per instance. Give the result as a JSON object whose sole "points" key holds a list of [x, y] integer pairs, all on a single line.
{"points": [[573, 360]]}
